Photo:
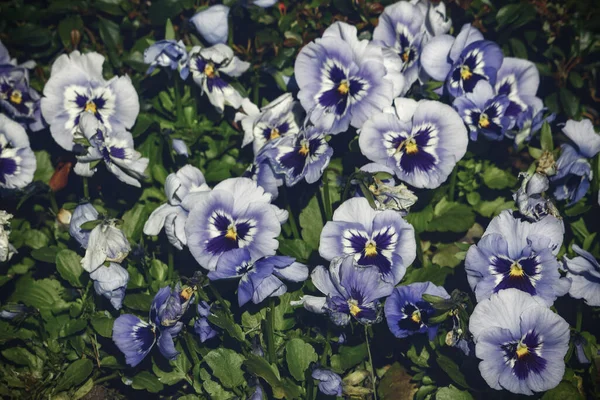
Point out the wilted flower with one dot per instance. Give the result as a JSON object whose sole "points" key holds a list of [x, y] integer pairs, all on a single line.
{"points": [[518, 254], [330, 383], [183, 189], [135, 338], [76, 86], [343, 81], [83, 213], [7, 250], [203, 328], [111, 281], [207, 65], [484, 112], [17, 160], [573, 170], [520, 341], [258, 279], [276, 119], [212, 23], [236, 214], [386, 194], [584, 273], [168, 54], [351, 290], [421, 141], [462, 62], [304, 155], [381, 239], [407, 313], [115, 148], [106, 243], [530, 199]]}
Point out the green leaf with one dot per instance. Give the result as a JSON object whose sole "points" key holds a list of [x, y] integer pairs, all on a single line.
{"points": [[396, 384], [575, 79], [452, 393], [452, 369], [45, 254], [43, 294], [102, 324], [284, 312], [72, 327], [75, 374], [138, 301], [112, 7], [299, 355], [110, 33], [448, 256], [36, 239], [224, 321], [133, 222], [169, 31], [348, 357], [44, 169], [495, 178], [546, 137], [296, 248], [21, 356], [225, 365], [214, 389], [429, 273], [569, 102], [158, 270], [89, 225], [83, 390], [66, 26], [282, 389], [419, 358], [146, 381], [311, 223], [420, 219], [492, 208], [68, 265], [451, 216], [565, 390]]}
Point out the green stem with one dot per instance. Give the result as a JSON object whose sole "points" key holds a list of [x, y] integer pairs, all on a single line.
{"points": [[86, 190], [326, 197], [310, 385], [53, 202], [219, 298], [256, 89], [269, 334], [452, 184], [178, 103], [372, 368], [170, 263], [291, 216], [327, 348], [579, 316], [106, 378]]}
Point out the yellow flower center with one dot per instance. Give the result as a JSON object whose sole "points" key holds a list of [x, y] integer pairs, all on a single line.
{"points": [[370, 249], [209, 70], [231, 233], [409, 145], [343, 87], [274, 134], [484, 121], [90, 106], [304, 148], [186, 293], [416, 316], [16, 97], [522, 350], [354, 308], [465, 72], [516, 270], [406, 55]]}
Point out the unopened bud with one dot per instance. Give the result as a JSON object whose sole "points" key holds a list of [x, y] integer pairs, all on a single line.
{"points": [[63, 217], [356, 377], [61, 176], [546, 164], [75, 38]]}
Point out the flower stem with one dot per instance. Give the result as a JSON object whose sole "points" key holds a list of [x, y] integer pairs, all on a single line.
{"points": [[269, 334], [452, 184], [371, 367], [256, 89], [86, 190], [326, 197], [53, 202], [219, 298], [579, 316], [170, 263], [291, 216], [178, 103], [106, 378]]}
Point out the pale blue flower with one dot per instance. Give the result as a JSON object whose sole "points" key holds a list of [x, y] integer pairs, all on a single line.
{"points": [[584, 272], [212, 23]]}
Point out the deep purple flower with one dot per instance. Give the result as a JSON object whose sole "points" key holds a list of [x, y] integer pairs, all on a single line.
{"points": [[330, 383], [203, 328], [374, 238], [407, 313], [584, 273], [421, 142], [17, 160], [236, 214], [520, 341], [518, 254]]}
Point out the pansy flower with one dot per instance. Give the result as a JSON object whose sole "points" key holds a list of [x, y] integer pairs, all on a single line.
{"points": [[530, 121], [584, 272], [462, 62], [407, 313], [237, 213], [168, 54], [305, 155], [521, 343], [111, 281], [351, 290], [401, 28], [518, 254], [7, 250], [421, 142], [17, 160], [258, 279], [114, 148], [183, 189], [18, 99], [208, 67], [381, 239], [263, 174], [106, 242], [519, 80], [84, 212], [342, 81], [76, 86], [573, 170], [7, 62], [484, 112], [203, 327], [212, 23], [135, 338], [330, 383], [276, 119]]}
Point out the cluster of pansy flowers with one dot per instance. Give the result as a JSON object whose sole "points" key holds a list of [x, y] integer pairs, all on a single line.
{"points": [[345, 84]]}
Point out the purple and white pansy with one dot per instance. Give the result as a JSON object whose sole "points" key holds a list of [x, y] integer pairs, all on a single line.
{"points": [[513, 253], [168, 54], [17, 160], [183, 189], [343, 81], [76, 86], [584, 273], [237, 213], [381, 239], [209, 65], [421, 141]]}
